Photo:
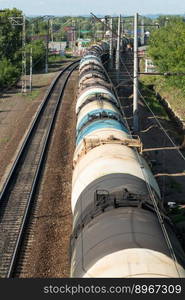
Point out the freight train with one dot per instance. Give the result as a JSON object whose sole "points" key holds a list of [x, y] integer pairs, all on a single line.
{"points": [[117, 231]]}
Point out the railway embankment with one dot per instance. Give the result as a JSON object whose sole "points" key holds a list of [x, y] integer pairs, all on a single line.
{"points": [[174, 103], [168, 105], [168, 99]]}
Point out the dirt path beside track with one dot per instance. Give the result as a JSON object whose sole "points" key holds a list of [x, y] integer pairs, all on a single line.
{"points": [[49, 254]]}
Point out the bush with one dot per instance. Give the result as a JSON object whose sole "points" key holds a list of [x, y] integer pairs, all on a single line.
{"points": [[38, 54], [9, 73]]}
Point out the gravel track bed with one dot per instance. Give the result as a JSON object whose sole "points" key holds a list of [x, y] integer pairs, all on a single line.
{"points": [[49, 250]]}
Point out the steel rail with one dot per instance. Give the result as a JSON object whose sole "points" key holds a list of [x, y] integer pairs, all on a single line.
{"points": [[10, 256]]}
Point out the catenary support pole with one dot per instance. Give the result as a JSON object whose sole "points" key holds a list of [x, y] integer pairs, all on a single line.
{"points": [[111, 42], [135, 87], [31, 69], [118, 44], [47, 44], [24, 84], [142, 31]]}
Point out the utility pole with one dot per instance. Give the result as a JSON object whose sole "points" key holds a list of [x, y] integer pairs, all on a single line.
{"points": [[47, 43], [118, 44], [135, 87], [94, 31], [31, 59], [24, 85], [105, 26], [111, 42], [79, 29], [142, 31], [51, 29], [31, 69], [102, 30], [122, 28], [74, 35]]}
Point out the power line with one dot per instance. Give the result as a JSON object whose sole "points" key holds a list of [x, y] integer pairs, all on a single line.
{"points": [[151, 193], [152, 196], [156, 119]]}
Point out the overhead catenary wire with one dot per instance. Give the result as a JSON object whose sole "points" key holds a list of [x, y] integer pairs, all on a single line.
{"points": [[151, 193], [156, 119], [157, 211], [132, 78]]}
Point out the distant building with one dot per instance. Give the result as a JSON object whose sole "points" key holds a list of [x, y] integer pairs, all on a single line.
{"points": [[57, 47], [81, 46]]}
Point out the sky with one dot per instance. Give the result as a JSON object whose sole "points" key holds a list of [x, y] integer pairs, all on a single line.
{"points": [[102, 7]]}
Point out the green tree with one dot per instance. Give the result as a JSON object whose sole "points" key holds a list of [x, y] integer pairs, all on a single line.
{"points": [[9, 73], [10, 36], [167, 49], [10, 47], [38, 54]]}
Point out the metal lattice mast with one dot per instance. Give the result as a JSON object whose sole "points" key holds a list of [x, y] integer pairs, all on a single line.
{"points": [[21, 21]]}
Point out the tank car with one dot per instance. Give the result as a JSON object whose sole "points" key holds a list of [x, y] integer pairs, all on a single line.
{"points": [[116, 230]]}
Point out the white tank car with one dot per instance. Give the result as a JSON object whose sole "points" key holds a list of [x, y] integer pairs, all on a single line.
{"points": [[124, 242], [89, 61], [91, 67], [92, 92], [90, 82], [90, 75], [96, 105]]}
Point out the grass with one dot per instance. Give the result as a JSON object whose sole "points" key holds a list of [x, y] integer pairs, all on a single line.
{"points": [[150, 98], [58, 58], [174, 95], [175, 185], [178, 218], [5, 139], [30, 96], [177, 215], [146, 86], [34, 94]]}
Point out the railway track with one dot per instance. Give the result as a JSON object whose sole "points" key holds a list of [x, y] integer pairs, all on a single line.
{"points": [[17, 196]]}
